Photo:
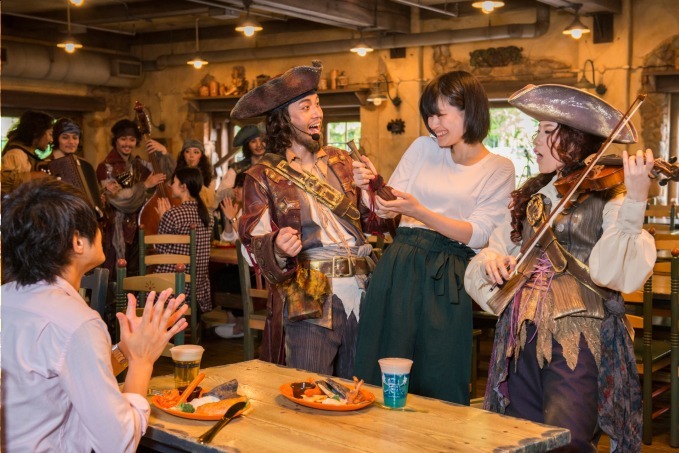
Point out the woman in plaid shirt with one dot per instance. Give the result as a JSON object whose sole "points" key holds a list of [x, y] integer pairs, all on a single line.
{"points": [[186, 186]]}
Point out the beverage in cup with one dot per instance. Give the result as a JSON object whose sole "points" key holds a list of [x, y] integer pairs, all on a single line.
{"points": [[395, 379], [186, 360]]}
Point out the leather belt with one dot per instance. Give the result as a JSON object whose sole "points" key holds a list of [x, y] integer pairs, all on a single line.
{"points": [[339, 266]]}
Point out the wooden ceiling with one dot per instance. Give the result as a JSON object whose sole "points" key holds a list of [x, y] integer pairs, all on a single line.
{"points": [[119, 25]]}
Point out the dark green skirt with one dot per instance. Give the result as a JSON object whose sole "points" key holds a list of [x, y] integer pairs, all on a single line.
{"points": [[416, 308]]}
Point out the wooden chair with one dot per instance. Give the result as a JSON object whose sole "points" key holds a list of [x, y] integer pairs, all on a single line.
{"points": [[661, 221], [252, 320], [654, 355], [190, 260], [145, 284], [95, 286]]}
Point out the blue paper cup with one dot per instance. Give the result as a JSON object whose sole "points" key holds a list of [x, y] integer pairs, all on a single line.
{"points": [[395, 379]]}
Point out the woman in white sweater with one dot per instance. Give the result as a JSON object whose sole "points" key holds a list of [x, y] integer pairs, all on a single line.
{"points": [[451, 192]]}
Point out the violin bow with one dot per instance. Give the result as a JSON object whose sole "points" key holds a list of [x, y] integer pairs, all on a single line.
{"points": [[540, 232]]}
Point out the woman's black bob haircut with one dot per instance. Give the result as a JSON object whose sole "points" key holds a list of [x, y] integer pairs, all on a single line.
{"points": [[462, 90]]}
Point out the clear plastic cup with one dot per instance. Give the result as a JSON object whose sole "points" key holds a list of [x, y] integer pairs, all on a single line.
{"points": [[395, 380], [186, 360]]}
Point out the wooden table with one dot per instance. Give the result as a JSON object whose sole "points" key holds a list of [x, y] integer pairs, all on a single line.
{"points": [[224, 255], [277, 424]]}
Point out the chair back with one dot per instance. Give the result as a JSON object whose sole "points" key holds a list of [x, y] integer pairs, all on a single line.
{"points": [[190, 260], [251, 320], [655, 211], [654, 354], [144, 284], [95, 285]]}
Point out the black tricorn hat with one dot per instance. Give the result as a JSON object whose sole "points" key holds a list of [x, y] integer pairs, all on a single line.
{"points": [[279, 91], [572, 107], [245, 135]]}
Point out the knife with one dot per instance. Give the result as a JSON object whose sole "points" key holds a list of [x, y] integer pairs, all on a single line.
{"points": [[233, 411]]}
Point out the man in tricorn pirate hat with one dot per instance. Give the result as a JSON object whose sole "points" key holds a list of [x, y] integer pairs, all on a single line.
{"points": [[301, 223]]}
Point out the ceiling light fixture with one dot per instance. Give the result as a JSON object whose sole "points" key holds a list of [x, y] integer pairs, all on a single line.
{"points": [[362, 48], [77, 2], [585, 84], [70, 44], [576, 29], [197, 62], [488, 6], [246, 24]]}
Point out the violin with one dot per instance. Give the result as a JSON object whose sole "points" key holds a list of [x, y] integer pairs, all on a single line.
{"points": [[148, 216], [608, 173]]}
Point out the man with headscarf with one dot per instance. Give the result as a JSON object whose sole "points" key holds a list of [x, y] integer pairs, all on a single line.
{"points": [[302, 225], [125, 180], [73, 169]]}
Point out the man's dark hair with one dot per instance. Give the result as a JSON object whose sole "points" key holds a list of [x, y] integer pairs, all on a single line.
{"points": [[32, 125], [278, 131], [464, 91], [39, 220]]}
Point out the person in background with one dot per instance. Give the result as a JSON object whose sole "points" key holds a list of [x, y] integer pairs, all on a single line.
{"points": [[66, 135], [451, 192], [229, 281], [125, 180], [32, 134], [186, 186], [193, 155], [302, 224], [232, 208], [58, 388], [250, 138], [562, 354]]}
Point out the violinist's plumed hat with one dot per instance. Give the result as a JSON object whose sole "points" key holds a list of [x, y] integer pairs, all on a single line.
{"points": [[246, 134], [572, 107], [294, 84]]}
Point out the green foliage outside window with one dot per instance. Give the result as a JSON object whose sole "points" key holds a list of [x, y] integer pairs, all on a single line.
{"points": [[338, 134], [511, 135]]}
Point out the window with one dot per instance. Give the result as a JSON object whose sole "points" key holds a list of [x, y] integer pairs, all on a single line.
{"points": [[6, 124], [339, 133], [511, 135]]}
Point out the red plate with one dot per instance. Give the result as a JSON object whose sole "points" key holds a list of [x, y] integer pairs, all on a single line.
{"points": [[368, 398]]}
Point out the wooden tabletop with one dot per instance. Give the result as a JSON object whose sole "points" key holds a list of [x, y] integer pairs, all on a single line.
{"points": [[223, 255], [277, 424]]}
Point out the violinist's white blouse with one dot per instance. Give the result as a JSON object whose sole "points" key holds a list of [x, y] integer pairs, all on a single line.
{"points": [[621, 260]]}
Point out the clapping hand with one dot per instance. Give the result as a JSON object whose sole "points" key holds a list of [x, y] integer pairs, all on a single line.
{"points": [[163, 206]]}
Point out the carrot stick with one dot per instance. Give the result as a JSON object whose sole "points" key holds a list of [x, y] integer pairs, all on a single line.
{"points": [[190, 388]]}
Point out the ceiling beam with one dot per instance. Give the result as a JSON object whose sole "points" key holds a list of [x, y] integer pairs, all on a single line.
{"points": [[356, 14], [588, 6]]}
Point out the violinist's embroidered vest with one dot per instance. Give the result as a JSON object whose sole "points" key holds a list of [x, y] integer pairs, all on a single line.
{"points": [[577, 231]]}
